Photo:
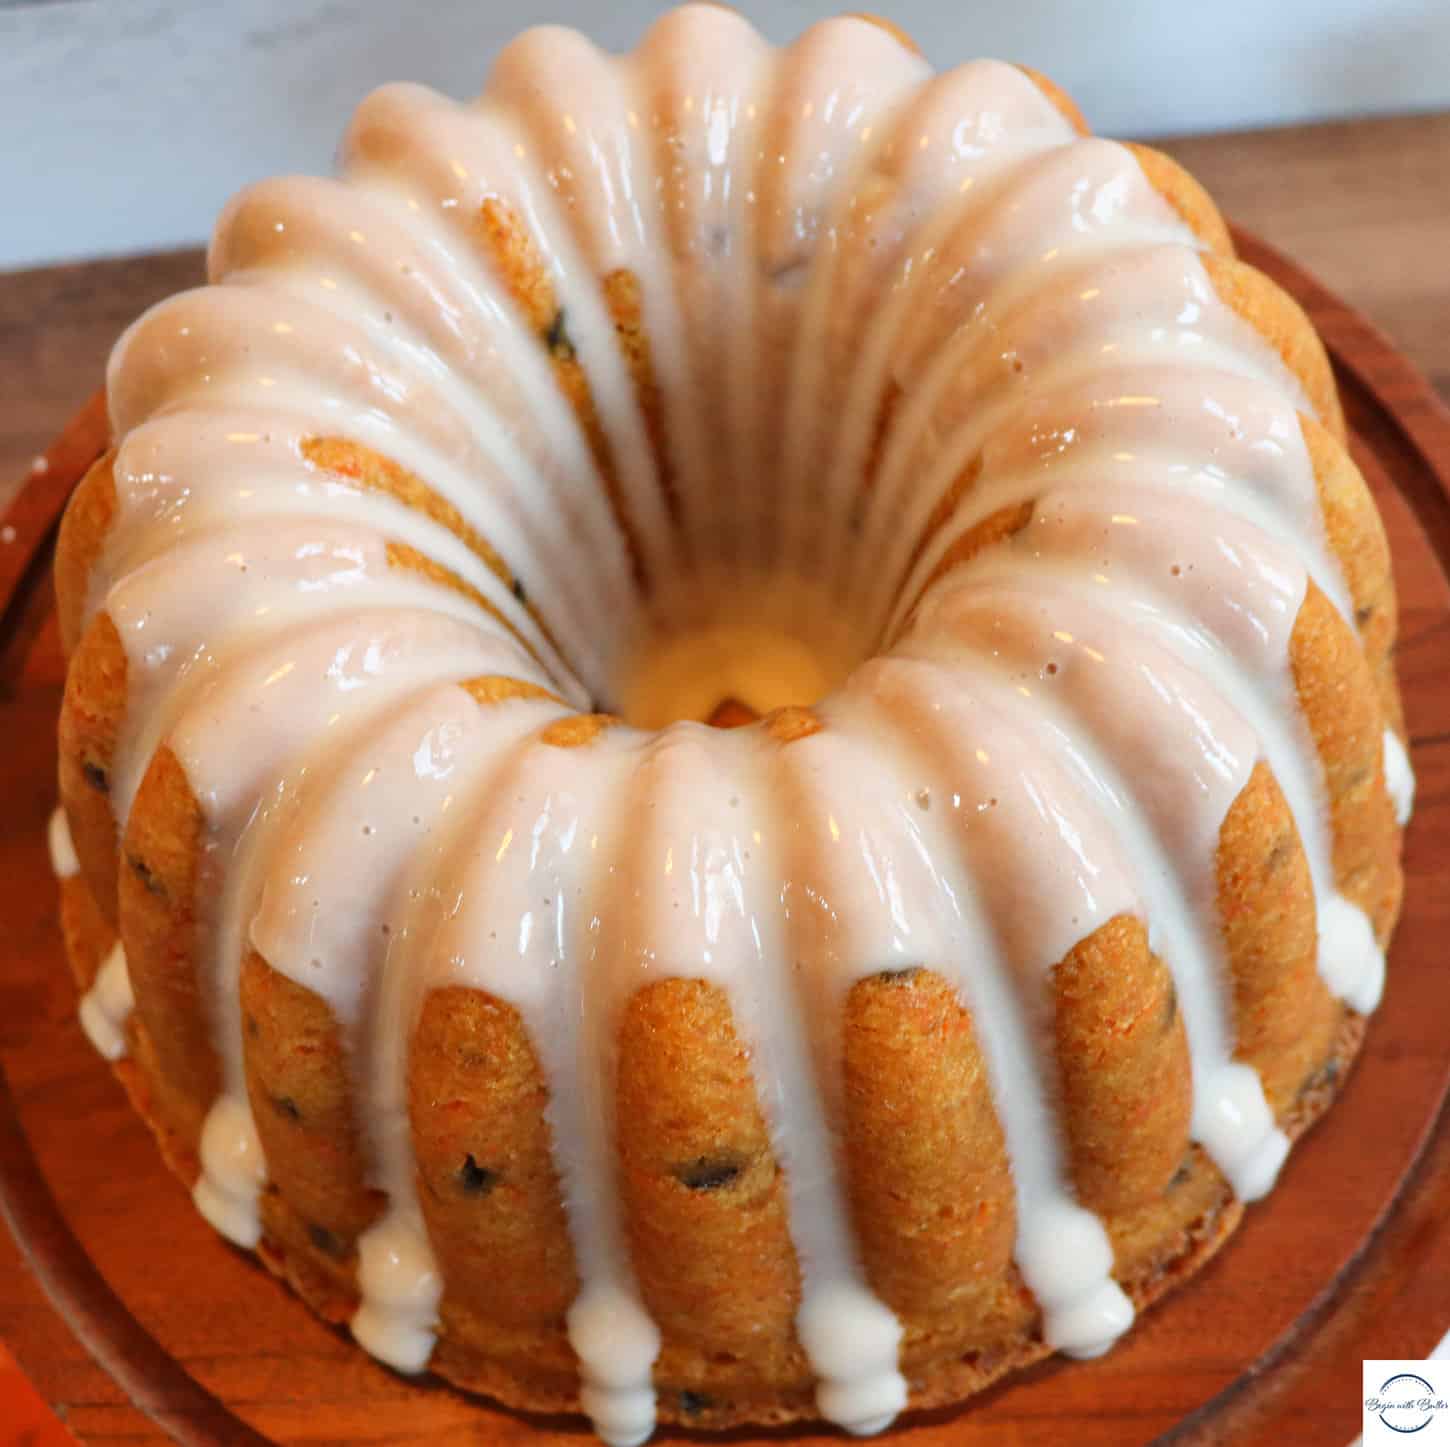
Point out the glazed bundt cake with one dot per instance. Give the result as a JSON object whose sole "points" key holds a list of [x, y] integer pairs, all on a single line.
{"points": [[731, 750]]}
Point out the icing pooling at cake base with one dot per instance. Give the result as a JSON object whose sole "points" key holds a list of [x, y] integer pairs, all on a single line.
{"points": [[883, 309], [107, 1005], [61, 847], [400, 1290], [1399, 777], [233, 1172]]}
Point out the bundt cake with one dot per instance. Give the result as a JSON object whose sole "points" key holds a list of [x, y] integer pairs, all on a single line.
{"points": [[731, 750]]}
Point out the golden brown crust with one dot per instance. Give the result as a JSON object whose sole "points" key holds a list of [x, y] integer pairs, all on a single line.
{"points": [[495, 688], [486, 1179], [1122, 1056], [373, 472], [930, 1186], [409, 559], [521, 267], [791, 722], [703, 1197], [159, 875], [1284, 1014], [303, 1099], [577, 730], [461, 1053], [168, 1116], [87, 936], [289, 1249], [1156, 1243], [1183, 192], [623, 297], [1280, 320], [1332, 679], [302, 1096], [83, 532], [94, 703], [996, 527], [90, 724], [941, 513], [1356, 535], [900, 36], [1061, 101], [1157, 1249]]}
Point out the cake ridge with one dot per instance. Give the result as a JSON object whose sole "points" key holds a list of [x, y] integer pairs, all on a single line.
{"points": [[243, 824], [1250, 686], [425, 449], [1151, 473], [607, 1325], [1061, 1248], [1231, 1118]]}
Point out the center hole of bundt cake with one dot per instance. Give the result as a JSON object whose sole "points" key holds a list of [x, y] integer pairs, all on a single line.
{"points": [[729, 652]]}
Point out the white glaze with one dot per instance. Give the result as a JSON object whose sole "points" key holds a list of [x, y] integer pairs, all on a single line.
{"points": [[815, 232], [107, 1005], [400, 1290], [991, 847], [1399, 777], [62, 850], [1095, 699], [523, 873], [704, 875], [233, 1172], [406, 770]]}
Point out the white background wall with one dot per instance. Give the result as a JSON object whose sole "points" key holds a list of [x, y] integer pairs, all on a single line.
{"points": [[124, 124]]}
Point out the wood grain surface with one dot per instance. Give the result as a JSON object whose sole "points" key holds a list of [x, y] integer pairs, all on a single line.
{"points": [[1363, 206], [153, 1328]]}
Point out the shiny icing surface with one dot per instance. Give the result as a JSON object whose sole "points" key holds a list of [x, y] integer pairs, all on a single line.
{"points": [[232, 1172], [859, 281], [61, 847], [107, 1006], [1399, 778]]}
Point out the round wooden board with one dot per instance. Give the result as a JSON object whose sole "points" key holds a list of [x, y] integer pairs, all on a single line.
{"points": [[136, 1318]]}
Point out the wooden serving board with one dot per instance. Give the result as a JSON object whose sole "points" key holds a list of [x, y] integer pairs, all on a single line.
{"points": [[137, 1322]]}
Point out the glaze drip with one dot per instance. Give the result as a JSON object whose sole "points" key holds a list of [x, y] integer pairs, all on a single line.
{"points": [[60, 846], [107, 1006]]}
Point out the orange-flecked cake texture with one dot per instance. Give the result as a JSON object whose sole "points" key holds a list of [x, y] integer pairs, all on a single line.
{"points": [[817, 1055]]}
